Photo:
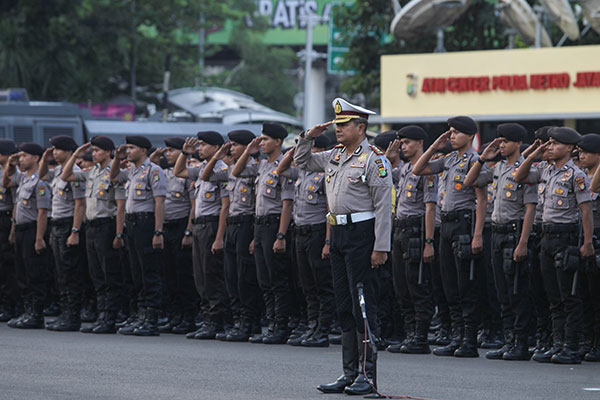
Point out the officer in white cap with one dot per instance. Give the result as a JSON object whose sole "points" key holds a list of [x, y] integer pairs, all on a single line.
{"points": [[359, 186]]}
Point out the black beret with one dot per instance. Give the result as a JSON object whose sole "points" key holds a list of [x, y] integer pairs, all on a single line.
{"points": [[105, 143], [211, 137], [88, 156], [241, 136], [384, 139], [150, 151], [7, 147], [32, 148], [463, 124], [63, 142], [542, 133], [498, 156], [412, 132], [590, 143], [321, 142], [138, 140], [511, 131], [275, 131], [564, 135], [175, 142]]}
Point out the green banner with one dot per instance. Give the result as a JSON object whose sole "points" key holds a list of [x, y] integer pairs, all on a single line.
{"points": [[285, 21]]}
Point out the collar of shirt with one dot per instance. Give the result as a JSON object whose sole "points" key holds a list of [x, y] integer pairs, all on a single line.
{"points": [[144, 165]]}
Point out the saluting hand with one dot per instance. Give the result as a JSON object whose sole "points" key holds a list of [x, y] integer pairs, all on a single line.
{"points": [[82, 150], [14, 159], [190, 145], [318, 130], [48, 155], [222, 152], [491, 150], [156, 154], [393, 149], [254, 145], [121, 152], [441, 141]]}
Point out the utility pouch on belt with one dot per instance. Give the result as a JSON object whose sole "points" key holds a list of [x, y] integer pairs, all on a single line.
{"points": [[414, 250], [462, 247], [570, 259], [508, 264]]}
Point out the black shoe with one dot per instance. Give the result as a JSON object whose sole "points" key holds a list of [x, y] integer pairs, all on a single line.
{"points": [[222, 336], [335, 339], [546, 357], [257, 338], [6, 314], [568, 355], [415, 347], [53, 310], [88, 328], [519, 352], [493, 341], [336, 387], [129, 329], [88, 315], [149, 327], [593, 355], [297, 341], [208, 331], [105, 327], [241, 334], [33, 321], [450, 348], [499, 353], [65, 325], [359, 387], [443, 337], [318, 339], [128, 321], [278, 336], [184, 327], [121, 317]]}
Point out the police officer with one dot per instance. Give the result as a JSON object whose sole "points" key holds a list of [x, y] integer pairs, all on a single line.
{"points": [[104, 213], [413, 240], [512, 218], [589, 157], [8, 283], [565, 196], [240, 268], [68, 210], [177, 262], [359, 184], [312, 246], [30, 221], [211, 209], [274, 201], [461, 233], [144, 218]]}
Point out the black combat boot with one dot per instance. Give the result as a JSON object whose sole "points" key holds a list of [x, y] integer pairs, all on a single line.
{"points": [[442, 337], [35, 320], [508, 344], [569, 353], [557, 345], [450, 348], [320, 337], [419, 344], [280, 335], [308, 331], [259, 336], [149, 327], [130, 327], [186, 325], [107, 325], [241, 334], [350, 365], [170, 324], [520, 350], [468, 348], [542, 343], [71, 320]]}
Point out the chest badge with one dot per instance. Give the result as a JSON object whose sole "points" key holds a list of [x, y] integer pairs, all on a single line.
{"points": [[243, 190], [177, 194], [311, 187], [559, 202], [559, 191], [101, 193], [60, 192], [310, 197], [270, 181], [138, 192], [508, 194], [362, 157], [409, 194], [462, 164], [458, 186], [328, 178], [337, 157], [207, 195], [509, 185]]}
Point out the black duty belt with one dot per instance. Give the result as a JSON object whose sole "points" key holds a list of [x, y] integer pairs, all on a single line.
{"points": [[412, 222], [451, 216], [139, 216], [560, 228], [173, 222], [240, 219], [205, 219], [509, 227], [61, 221], [99, 221], [266, 219], [25, 226], [308, 229]]}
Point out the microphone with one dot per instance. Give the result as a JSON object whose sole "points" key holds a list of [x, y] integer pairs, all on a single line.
{"points": [[361, 300]]}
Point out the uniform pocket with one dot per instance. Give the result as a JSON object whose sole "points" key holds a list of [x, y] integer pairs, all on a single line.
{"points": [[139, 191]]}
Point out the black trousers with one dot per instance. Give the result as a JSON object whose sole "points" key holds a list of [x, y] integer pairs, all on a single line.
{"points": [[515, 308], [400, 282], [104, 265], [437, 286], [538, 292], [240, 263], [67, 260], [461, 293], [272, 271], [488, 299], [566, 310], [315, 275], [144, 260], [178, 269], [407, 254], [9, 292], [350, 255], [31, 267], [208, 272]]}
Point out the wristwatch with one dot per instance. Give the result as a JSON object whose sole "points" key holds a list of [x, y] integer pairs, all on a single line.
{"points": [[280, 236], [158, 233], [429, 240], [187, 233], [119, 236], [327, 242], [75, 230], [184, 153], [481, 161]]}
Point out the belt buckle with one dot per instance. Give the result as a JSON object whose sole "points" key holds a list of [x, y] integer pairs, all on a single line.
{"points": [[331, 219], [342, 219]]}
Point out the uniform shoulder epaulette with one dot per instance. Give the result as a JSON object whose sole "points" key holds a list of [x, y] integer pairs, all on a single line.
{"points": [[447, 155], [339, 146], [376, 150]]}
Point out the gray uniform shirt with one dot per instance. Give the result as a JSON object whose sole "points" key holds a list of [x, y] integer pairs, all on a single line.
{"points": [[242, 196], [564, 190], [596, 208], [64, 193], [310, 201], [456, 195], [354, 182], [7, 196], [413, 192], [100, 193], [271, 189], [179, 192], [539, 208], [509, 196], [142, 185], [32, 194], [208, 194]]}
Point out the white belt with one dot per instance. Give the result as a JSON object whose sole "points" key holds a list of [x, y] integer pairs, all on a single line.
{"points": [[345, 219]]}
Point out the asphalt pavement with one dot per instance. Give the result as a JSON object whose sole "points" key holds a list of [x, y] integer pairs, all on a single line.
{"points": [[40, 364]]}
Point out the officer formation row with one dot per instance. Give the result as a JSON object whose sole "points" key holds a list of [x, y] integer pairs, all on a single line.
{"points": [[501, 243]]}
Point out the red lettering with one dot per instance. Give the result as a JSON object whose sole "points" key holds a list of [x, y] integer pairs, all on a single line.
{"points": [[587, 79], [549, 81]]}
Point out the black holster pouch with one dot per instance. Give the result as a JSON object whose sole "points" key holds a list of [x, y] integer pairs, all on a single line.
{"points": [[414, 251], [568, 260], [508, 264], [462, 247]]}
